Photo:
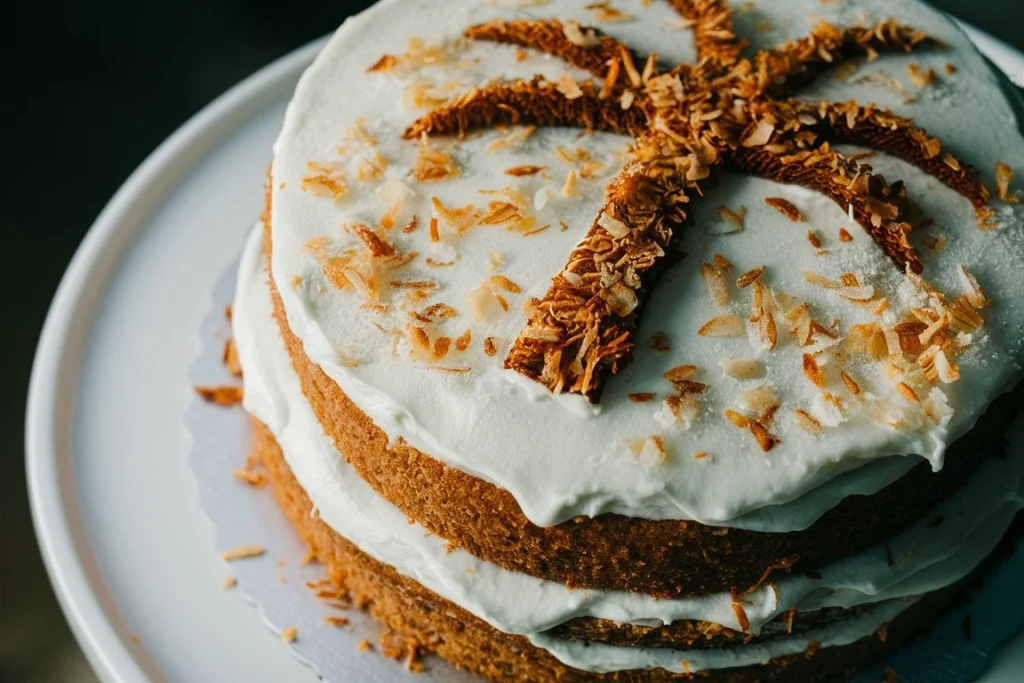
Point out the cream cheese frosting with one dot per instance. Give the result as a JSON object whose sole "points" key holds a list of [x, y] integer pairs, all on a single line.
{"points": [[923, 558], [556, 460]]}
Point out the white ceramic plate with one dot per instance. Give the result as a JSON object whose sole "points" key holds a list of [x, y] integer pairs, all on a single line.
{"points": [[116, 508]]}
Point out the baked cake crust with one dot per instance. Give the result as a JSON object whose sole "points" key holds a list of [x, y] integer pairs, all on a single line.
{"points": [[430, 624]]}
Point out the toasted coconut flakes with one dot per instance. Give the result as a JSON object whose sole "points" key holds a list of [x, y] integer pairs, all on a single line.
{"points": [[441, 345], [572, 278], [936, 407], [394, 193], [813, 371], [569, 186], [221, 396], [413, 284], [569, 88], [819, 280], [243, 552], [504, 283], [749, 276], [435, 235], [641, 397], [516, 136], [336, 621], [907, 392], [735, 217], [484, 304], [856, 293], [723, 326], [946, 371], [364, 645], [490, 346], [951, 161], [807, 422], [680, 373], [722, 262], [230, 358], [975, 294], [384, 64], [525, 170], [254, 479], [229, 582], [374, 243], [626, 100], [289, 635], [786, 208], [575, 35], [921, 77], [1004, 174], [433, 164], [412, 226], [659, 342], [850, 383], [718, 289], [678, 412], [758, 399], [463, 341], [621, 299], [764, 439], [742, 368], [495, 260], [605, 13], [700, 455], [738, 419], [450, 371], [813, 239], [759, 135], [767, 332], [616, 228]]}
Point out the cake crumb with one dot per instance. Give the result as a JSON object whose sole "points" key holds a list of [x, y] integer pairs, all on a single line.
{"points": [[785, 207], [229, 582], [364, 645], [289, 635], [243, 552], [230, 358], [222, 396], [254, 479]]}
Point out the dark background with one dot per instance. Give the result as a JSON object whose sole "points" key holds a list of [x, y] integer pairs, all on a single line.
{"points": [[89, 89]]}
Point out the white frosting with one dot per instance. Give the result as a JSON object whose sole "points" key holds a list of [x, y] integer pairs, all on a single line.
{"points": [[923, 558], [560, 462]]}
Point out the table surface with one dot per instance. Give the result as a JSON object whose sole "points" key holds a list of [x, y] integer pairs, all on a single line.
{"points": [[114, 81]]}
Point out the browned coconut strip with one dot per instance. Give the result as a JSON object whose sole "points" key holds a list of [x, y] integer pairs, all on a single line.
{"points": [[581, 46], [712, 28], [535, 102]]}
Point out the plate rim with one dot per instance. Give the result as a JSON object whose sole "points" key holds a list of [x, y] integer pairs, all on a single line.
{"points": [[106, 651], [45, 437]]}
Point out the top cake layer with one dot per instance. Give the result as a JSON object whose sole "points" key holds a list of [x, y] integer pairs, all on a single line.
{"points": [[386, 309]]}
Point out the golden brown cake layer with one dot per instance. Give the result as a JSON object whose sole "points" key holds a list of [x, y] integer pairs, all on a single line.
{"points": [[430, 624]]}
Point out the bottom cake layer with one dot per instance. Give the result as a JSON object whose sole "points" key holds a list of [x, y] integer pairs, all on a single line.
{"points": [[432, 624]]}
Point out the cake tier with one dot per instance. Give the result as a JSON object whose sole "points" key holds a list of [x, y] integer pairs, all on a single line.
{"points": [[430, 624], [846, 601], [679, 558]]}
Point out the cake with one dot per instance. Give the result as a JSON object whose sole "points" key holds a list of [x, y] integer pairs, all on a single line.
{"points": [[642, 341]]}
